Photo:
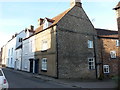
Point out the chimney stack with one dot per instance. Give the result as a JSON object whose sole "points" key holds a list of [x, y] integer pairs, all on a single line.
{"points": [[32, 27], [40, 21], [75, 2]]}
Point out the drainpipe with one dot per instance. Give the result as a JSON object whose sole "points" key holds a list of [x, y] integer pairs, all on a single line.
{"points": [[57, 53], [21, 56], [94, 45], [102, 57]]}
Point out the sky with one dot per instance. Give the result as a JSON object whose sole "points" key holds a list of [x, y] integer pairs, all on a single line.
{"points": [[16, 15]]}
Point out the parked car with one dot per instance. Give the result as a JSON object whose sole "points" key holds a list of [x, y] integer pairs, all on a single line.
{"points": [[3, 81]]}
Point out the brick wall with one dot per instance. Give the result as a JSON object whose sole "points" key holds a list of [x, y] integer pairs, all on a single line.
{"points": [[105, 46]]}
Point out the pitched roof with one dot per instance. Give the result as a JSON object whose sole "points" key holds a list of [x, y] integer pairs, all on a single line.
{"points": [[118, 6], [55, 19], [106, 32]]}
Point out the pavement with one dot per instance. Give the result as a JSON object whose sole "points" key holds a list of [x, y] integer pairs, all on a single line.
{"points": [[99, 84], [107, 84]]}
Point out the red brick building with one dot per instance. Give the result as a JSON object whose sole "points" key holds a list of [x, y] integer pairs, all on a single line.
{"points": [[117, 8], [108, 52]]}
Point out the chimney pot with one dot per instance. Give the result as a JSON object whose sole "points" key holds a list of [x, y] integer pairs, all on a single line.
{"points": [[32, 27], [75, 2], [40, 21]]}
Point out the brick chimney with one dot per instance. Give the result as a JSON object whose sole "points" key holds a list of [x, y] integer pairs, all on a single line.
{"points": [[40, 21], [75, 2], [32, 27]]}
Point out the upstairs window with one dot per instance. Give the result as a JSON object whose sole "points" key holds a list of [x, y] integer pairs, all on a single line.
{"points": [[90, 44], [20, 39], [91, 63], [12, 51], [117, 43], [113, 54], [106, 68], [44, 45], [9, 52], [44, 64]]}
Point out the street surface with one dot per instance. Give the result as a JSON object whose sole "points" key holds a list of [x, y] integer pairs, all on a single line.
{"points": [[26, 80]]}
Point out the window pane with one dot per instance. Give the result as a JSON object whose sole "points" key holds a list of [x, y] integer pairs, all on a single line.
{"points": [[44, 64], [91, 63]]}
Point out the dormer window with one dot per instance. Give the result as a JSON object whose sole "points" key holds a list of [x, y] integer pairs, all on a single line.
{"points": [[47, 22]]}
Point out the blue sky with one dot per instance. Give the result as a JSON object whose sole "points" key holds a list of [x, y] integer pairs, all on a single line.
{"points": [[15, 16]]}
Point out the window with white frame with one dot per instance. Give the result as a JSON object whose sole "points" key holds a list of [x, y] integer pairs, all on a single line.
{"points": [[91, 63], [90, 44], [9, 52], [11, 60], [117, 42], [30, 46], [44, 64], [44, 45], [113, 54], [12, 51], [106, 68], [25, 64]]}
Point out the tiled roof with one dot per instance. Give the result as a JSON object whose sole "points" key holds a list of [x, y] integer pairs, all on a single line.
{"points": [[118, 6], [106, 32], [55, 20]]}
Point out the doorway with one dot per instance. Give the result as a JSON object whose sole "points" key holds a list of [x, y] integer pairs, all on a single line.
{"points": [[36, 69], [31, 65]]}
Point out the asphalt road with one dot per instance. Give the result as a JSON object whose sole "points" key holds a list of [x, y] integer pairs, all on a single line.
{"points": [[26, 80]]}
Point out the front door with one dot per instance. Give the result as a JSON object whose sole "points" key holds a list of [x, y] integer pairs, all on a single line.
{"points": [[36, 65], [31, 65]]}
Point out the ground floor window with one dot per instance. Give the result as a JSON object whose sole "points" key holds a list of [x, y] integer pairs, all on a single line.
{"points": [[106, 68], [44, 64], [91, 63]]}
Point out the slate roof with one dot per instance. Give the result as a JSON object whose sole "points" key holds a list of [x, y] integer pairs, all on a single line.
{"points": [[103, 33], [106, 32]]}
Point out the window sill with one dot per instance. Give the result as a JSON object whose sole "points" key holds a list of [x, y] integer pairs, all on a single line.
{"points": [[91, 69], [44, 51], [44, 70], [106, 73]]}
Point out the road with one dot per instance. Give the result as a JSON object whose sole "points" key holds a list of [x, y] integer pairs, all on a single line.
{"points": [[18, 79]]}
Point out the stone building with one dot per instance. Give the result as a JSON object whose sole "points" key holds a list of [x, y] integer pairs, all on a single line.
{"points": [[66, 45], [108, 44]]}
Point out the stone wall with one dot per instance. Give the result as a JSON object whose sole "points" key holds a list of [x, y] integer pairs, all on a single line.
{"points": [[73, 32]]}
